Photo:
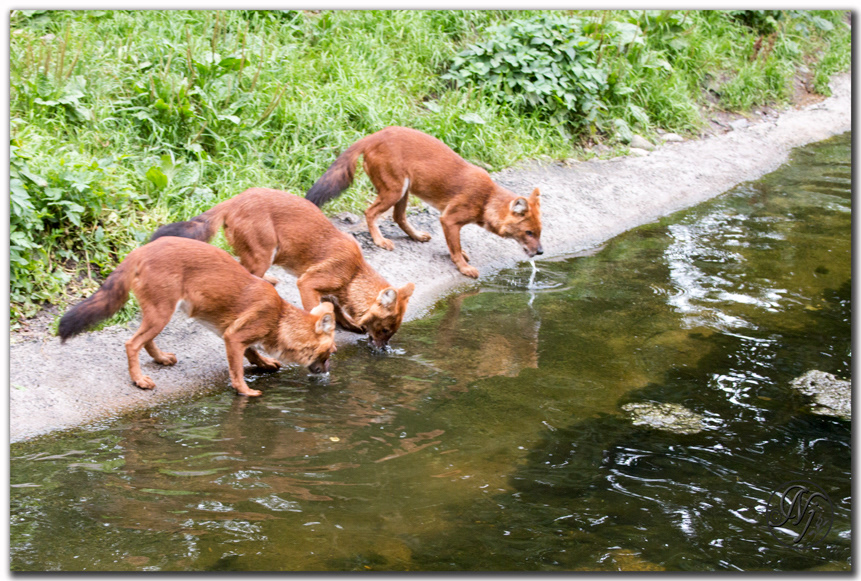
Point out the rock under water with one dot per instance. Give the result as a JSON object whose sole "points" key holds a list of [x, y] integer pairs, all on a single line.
{"points": [[832, 396]]}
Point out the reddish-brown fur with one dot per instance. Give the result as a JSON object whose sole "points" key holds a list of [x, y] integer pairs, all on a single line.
{"points": [[266, 227], [210, 286], [401, 161]]}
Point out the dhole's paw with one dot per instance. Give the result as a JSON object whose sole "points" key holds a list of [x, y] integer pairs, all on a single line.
{"points": [[270, 279], [166, 359], [145, 383], [422, 236], [249, 392], [268, 364], [469, 271], [386, 244]]}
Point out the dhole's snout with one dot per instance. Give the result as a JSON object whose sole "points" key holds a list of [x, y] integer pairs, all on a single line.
{"points": [[533, 249], [319, 366], [379, 342]]}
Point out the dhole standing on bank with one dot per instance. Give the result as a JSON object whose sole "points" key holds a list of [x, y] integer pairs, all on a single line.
{"points": [[401, 161]]}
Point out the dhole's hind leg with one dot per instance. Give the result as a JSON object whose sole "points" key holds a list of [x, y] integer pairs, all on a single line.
{"points": [[390, 189], [400, 216], [151, 325], [159, 356], [380, 205], [256, 252], [258, 360]]}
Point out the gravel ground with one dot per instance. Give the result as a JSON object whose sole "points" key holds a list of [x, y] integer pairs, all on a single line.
{"points": [[54, 387]]}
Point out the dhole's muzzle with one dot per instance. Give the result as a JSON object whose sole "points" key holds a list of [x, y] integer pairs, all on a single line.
{"points": [[319, 366], [380, 341], [533, 248]]}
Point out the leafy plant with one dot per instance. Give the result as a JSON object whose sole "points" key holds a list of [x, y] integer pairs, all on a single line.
{"points": [[60, 215], [543, 64]]}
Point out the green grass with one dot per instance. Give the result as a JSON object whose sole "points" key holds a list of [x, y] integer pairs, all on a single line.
{"points": [[125, 120]]}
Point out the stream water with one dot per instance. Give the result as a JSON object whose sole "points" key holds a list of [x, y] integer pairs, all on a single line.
{"points": [[498, 434]]}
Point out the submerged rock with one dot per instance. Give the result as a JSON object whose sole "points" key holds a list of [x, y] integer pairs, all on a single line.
{"points": [[832, 396], [671, 417]]}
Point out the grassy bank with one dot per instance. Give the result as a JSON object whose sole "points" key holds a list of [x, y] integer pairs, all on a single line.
{"points": [[124, 120]]}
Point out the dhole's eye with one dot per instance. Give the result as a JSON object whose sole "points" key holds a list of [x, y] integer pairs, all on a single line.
{"points": [[529, 233]]}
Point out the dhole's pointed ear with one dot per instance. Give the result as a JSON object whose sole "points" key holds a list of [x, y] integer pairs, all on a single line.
{"points": [[326, 322], [535, 196], [519, 206], [406, 291], [387, 297]]}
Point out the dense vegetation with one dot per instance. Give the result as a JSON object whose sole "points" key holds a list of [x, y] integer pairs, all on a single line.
{"points": [[124, 120]]}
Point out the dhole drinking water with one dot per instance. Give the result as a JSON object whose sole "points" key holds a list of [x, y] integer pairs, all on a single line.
{"points": [[266, 227], [401, 161], [211, 287]]}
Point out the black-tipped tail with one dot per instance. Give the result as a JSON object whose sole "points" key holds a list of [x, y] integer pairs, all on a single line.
{"points": [[200, 228], [103, 304], [337, 178]]}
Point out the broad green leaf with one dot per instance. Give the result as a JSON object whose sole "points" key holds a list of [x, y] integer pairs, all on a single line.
{"points": [[157, 177], [34, 177]]}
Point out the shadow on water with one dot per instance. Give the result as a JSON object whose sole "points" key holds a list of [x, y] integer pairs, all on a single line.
{"points": [[497, 434]]}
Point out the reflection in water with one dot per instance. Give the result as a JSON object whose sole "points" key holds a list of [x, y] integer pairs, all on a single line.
{"points": [[495, 436], [507, 343]]}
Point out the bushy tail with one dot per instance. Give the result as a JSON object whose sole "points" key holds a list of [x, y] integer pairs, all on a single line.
{"points": [[338, 177], [201, 228], [103, 304]]}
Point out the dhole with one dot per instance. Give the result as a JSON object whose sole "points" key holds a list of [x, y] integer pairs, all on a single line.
{"points": [[266, 227], [208, 284], [400, 161]]}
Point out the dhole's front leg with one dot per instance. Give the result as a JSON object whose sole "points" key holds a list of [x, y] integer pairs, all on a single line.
{"points": [[258, 360], [308, 294], [235, 354], [341, 317], [451, 228], [255, 253], [321, 277], [152, 324]]}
